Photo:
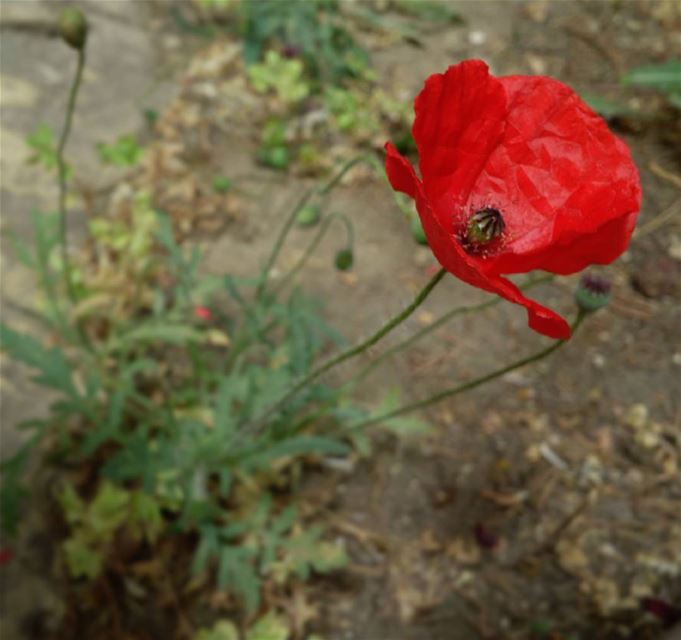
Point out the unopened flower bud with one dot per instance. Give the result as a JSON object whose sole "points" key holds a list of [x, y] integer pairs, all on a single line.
{"points": [[593, 292], [73, 27], [309, 215], [344, 260]]}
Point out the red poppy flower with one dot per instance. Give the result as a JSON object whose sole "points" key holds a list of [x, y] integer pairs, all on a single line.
{"points": [[517, 173]]}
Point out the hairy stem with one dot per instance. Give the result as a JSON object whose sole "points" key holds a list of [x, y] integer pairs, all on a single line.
{"points": [[63, 223], [360, 348], [471, 384], [313, 245], [291, 218]]}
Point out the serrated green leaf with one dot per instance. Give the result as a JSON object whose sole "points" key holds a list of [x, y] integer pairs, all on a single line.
{"points": [[82, 560], [304, 552], [108, 511], [55, 371], [236, 572]]}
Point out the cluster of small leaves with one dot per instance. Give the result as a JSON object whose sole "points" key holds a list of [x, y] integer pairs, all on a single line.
{"points": [[125, 152], [93, 525], [43, 145], [311, 30]]}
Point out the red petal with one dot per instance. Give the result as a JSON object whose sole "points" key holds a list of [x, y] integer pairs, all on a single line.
{"points": [[557, 175], [401, 174], [454, 259], [459, 121]]}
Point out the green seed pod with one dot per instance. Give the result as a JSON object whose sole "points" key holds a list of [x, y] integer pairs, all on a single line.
{"points": [[344, 260], [592, 293], [309, 215], [73, 27]]}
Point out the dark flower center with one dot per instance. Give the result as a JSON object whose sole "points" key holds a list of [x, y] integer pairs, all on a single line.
{"points": [[484, 226]]}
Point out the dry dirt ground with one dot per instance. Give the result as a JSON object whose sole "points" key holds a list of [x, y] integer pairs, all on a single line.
{"points": [[549, 499]]}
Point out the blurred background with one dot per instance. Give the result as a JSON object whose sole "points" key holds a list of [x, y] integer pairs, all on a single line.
{"points": [[544, 506]]}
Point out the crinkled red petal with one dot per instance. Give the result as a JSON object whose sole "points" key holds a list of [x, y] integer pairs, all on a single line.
{"points": [[455, 260], [531, 148]]}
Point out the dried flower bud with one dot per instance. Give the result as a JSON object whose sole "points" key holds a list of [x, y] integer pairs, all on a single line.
{"points": [[73, 27], [593, 292]]}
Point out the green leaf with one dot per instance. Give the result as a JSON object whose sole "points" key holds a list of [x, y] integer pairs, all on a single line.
{"points": [[222, 630], [427, 10], [145, 513], [607, 108], [236, 572], [207, 548], [400, 425], [271, 626], [55, 371], [304, 552], [44, 146], [108, 511], [82, 560], [296, 446], [222, 184], [155, 332], [125, 152], [71, 504], [12, 489], [665, 76]]}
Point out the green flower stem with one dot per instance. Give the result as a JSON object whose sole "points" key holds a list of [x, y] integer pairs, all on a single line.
{"points": [[353, 382], [63, 223], [471, 384], [290, 220], [313, 245], [457, 311], [360, 348]]}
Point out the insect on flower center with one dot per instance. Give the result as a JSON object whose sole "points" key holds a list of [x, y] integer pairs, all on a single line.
{"points": [[484, 227]]}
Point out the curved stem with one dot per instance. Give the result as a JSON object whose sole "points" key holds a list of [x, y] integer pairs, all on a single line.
{"points": [[435, 325], [471, 384], [313, 245], [457, 311], [63, 223], [279, 243], [360, 348]]}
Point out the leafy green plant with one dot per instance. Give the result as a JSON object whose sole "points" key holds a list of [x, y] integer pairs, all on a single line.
{"points": [[195, 402], [93, 525], [283, 77], [274, 150], [125, 152], [44, 146], [312, 30]]}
